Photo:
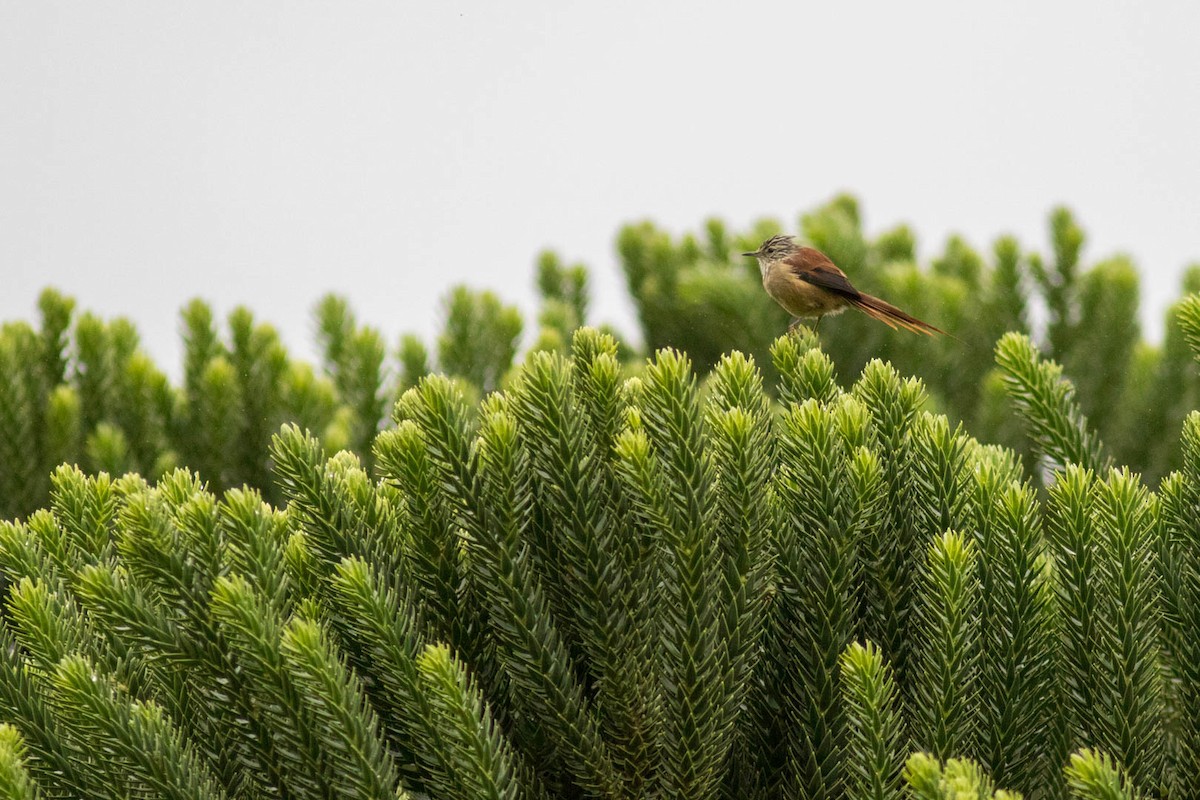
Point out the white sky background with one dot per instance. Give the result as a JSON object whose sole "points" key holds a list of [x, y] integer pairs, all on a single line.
{"points": [[264, 153]]}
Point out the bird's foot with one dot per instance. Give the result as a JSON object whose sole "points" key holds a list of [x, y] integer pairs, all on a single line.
{"points": [[797, 322]]}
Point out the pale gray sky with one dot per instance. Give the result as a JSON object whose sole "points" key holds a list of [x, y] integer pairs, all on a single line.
{"points": [[266, 152]]}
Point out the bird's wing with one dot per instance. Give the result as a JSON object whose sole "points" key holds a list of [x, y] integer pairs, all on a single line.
{"points": [[814, 267]]}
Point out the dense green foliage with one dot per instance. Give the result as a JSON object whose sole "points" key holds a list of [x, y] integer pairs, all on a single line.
{"points": [[79, 390], [591, 574], [695, 293], [594, 585]]}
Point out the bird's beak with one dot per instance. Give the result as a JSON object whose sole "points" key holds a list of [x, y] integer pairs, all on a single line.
{"points": [[751, 255]]}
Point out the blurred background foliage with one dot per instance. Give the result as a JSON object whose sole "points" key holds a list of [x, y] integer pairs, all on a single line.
{"points": [[696, 293], [78, 389]]}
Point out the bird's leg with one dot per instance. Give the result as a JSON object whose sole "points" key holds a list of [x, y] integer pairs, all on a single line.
{"points": [[817, 324], [795, 321]]}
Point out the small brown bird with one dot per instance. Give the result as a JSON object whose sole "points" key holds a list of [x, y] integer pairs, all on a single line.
{"points": [[807, 284]]}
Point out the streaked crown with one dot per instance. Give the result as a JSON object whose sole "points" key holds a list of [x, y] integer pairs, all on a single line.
{"points": [[775, 248]]}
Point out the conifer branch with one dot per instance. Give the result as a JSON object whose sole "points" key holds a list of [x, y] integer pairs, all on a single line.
{"points": [[433, 541], [59, 760], [138, 734], [1093, 775], [739, 421], [1017, 646], [590, 570], [359, 762], [957, 779], [941, 491], [1132, 727], [1189, 320], [257, 537], [254, 632], [477, 753], [890, 552], [1057, 427], [813, 614], [15, 781], [1076, 545], [532, 651], [875, 730], [804, 370], [1179, 498], [334, 500], [945, 701], [673, 479]]}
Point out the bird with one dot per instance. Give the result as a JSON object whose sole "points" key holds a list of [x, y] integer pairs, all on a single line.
{"points": [[807, 283]]}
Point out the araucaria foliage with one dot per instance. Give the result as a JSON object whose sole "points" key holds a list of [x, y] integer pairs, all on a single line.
{"points": [[599, 584]]}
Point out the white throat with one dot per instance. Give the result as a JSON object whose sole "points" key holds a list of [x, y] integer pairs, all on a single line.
{"points": [[763, 264]]}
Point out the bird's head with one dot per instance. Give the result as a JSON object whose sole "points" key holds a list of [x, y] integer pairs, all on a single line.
{"points": [[775, 248]]}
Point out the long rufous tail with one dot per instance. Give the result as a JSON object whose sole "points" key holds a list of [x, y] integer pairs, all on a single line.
{"points": [[891, 316]]}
